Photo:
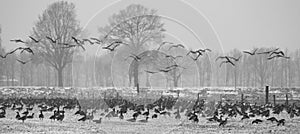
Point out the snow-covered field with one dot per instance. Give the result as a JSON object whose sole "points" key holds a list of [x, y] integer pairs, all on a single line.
{"points": [[162, 125]]}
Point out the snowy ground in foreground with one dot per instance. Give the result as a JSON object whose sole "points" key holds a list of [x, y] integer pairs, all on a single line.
{"points": [[167, 125]]}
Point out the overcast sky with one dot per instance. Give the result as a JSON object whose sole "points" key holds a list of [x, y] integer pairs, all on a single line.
{"points": [[216, 24]]}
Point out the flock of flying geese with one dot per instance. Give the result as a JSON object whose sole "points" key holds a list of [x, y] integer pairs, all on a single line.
{"points": [[113, 44], [275, 53], [78, 43]]}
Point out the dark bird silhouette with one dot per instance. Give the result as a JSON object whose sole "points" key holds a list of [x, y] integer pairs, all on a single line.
{"points": [[156, 111], [151, 72], [277, 53], [30, 116], [52, 117], [121, 116], [252, 115], [256, 121], [268, 52], [77, 41], [24, 62], [65, 44], [11, 52], [111, 49], [192, 52], [198, 53], [162, 44], [251, 53], [33, 39], [176, 46], [146, 113], [193, 117], [223, 57], [214, 118], [97, 40], [235, 59], [3, 56], [136, 114], [174, 57], [154, 116], [204, 50], [165, 113], [29, 108], [166, 70], [87, 40], [79, 112], [281, 122], [60, 117], [52, 40], [26, 112], [27, 49], [272, 119], [23, 118], [18, 41], [2, 116], [223, 122], [41, 115], [70, 46], [19, 108], [18, 115], [119, 42], [228, 61], [278, 56], [135, 57], [83, 118]]}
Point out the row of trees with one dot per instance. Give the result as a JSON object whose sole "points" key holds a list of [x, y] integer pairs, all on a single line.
{"points": [[250, 71], [143, 30]]}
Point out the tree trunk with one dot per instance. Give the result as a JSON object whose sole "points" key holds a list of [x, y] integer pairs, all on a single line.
{"points": [[60, 77], [48, 76], [176, 82], [148, 80], [31, 74], [13, 75], [136, 76], [235, 78], [7, 77], [21, 76]]}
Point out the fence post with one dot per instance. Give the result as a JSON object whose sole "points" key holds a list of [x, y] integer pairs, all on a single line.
{"points": [[286, 99], [274, 99], [267, 94], [242, 97]]}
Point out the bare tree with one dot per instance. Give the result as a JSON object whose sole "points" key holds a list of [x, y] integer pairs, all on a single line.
{"points": [[58, 22], [2, 62], [297, 65], [1, 52], [0, 37], [135, 25]]}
